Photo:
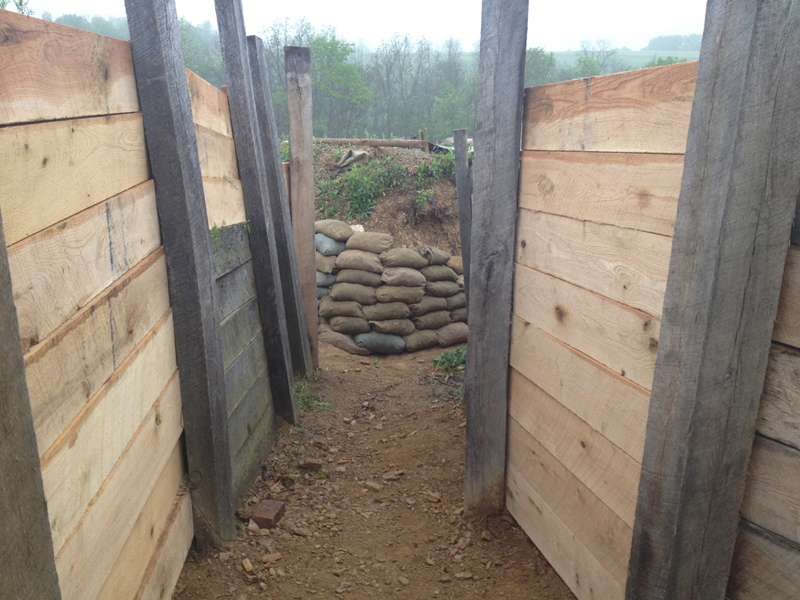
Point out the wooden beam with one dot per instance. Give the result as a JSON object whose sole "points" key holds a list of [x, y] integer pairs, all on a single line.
{"points": [[172, 148], [281, 214], [252, 169], [301, 159], [26, 545], [494, 221], [464, 195], [415, 144], [740, 186]]}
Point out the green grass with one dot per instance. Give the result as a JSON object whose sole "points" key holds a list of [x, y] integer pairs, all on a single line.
{"points": [[636, 59], [307, 397], [450, 359]]}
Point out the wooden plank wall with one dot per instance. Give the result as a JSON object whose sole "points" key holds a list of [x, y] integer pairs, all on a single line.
{"points": [[600, 177], [90, 287]]}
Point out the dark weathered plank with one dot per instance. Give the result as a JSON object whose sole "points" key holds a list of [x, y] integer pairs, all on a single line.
{"points": [[740, 185], [252, 170], [244, 371], [796, 227], [254, 451], [494, 220], [301, 174], [464, 194], [230, 247], [281, 213], [765, 566], [234, 289], [779, 412], [26, 545], [251, 409], [238, 329], [172, 149]]}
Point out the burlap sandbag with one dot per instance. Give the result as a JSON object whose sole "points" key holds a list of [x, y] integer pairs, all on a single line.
{"points": [[403, 257], [440, 273], [359, 277], [395, 326], [461, 282], [360, 260], [455, 333], [403, 276], [380, 343], [328, 246], [323, 291], [420, 339], [457, 264], [329, 308], [340, 340], [434, 256], [349, 325], [387, 311], [458, 315], [362, 294], [428, 304], [325, 279], [432, 320], [441, 289], [398, 293], [325, 264], [370, 241], [457, 301], [336, 230]]}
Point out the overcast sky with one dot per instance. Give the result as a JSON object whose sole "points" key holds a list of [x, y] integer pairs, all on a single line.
{"points": [[553, 25]]}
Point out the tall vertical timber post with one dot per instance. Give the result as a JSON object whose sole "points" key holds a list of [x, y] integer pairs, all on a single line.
{"points": [[464, 195]]}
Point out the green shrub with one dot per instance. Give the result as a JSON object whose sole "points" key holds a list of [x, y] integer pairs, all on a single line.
{"points": [[450, 359]]}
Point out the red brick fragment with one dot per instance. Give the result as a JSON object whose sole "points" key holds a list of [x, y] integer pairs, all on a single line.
{"points": [[267, 513]]}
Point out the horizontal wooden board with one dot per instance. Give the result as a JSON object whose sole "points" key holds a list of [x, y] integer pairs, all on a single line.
{"points": [[765, 566], [235, 289], [230, 248], [602, 532], [244, 371], [88, 557], [579, 569], [70, 366], [787, 323], [256, 404], [625, 265], [622, 338], [52, 71], [635, 191], [609, 473], [76, 465], [217, 154], [59, 270], [609, 403], [246, 464], [238, 329], [209, 105], [51, 171], [646, 110], [224, 202], [779, 411]]}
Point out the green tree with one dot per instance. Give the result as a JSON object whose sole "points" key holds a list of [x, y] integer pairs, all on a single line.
{"points": [[202, 52], [540, 67], [660, 61], [21, 6]]}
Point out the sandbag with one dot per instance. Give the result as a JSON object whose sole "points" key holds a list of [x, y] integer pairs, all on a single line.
{"points": [[441, 289], [440, 273], [395, 326], [457, 301], [325, 279], [352, 291], [323, 291], [325, 264], [461, 282], [455, 333], [349, 325], [359, 277], [432, 320], [380, 343], [458, 315], [428, 304], [328, 246], [370, 241], [403, 257], [340, 340], [329, 308], [434, 256], [403, 276], [420, 339], [386, 311], [398, 293], [360, 260], [336, 230], [457, 264]]}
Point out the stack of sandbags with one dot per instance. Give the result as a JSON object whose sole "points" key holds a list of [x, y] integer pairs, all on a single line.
{"points": [[330, 238]]}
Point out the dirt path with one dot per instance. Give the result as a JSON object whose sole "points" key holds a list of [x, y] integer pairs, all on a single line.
{"points": [[381, 517]]}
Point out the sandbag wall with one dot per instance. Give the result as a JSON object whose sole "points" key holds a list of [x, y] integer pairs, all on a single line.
{"points": [[375, 298]]}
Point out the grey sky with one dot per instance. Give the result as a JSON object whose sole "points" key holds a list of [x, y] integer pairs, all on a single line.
{"points": [[553, 25]]}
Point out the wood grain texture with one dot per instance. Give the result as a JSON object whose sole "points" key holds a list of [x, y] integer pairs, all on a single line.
{"points": [[254, 405], [234, 289], [217, 153], [209, 105], [464, 197], [627, 266], [52, 71], [635, 191], [238, 329], [738, 198], [224, 202], [787, 322], [230, 249], [779, 411], [244, 371], [260, 428], [494, 216], [635, 111], [51, 171]]}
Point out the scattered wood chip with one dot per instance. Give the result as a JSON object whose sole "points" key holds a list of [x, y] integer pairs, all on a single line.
{"points": [[393, 475], [403, 580], [486, 535], [463, 576], [432, 496], [311, 463], [429, 561], [373, 485], [248, 566]]}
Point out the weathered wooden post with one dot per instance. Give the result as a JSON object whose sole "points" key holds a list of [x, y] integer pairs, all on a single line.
{"points": [[464, 195], [423, 136]]}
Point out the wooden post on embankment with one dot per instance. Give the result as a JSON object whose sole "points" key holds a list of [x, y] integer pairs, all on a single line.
{"points": [[494, 219], [301, 173], [281, 215], [464, 195], [738, 197]]}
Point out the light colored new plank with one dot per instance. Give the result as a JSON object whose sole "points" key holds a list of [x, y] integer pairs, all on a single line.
{"points": [[625, 265], [209, 105], [88, 557], [126, 575], [636, 111], [635, 191], [51, 171], [609, 473], [611, 404], [765, 566], [59, 270], [779, 410], [69, 367], [52, 71], [77, 464], [602, 532], [787, 323], [217, 154], [579, 569], [224, 202], [622, 338]]}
